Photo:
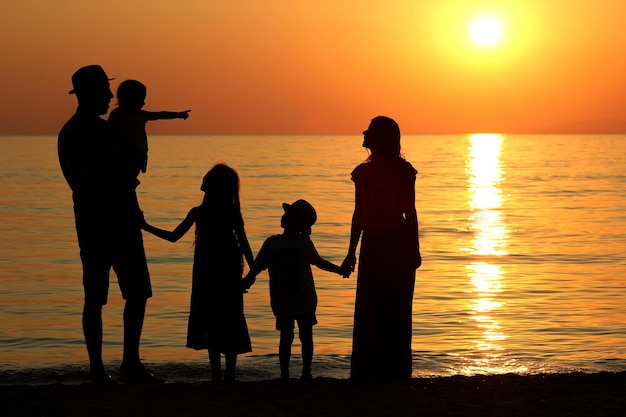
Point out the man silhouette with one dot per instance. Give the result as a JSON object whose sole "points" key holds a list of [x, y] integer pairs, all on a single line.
{"points": [[108, 221]]}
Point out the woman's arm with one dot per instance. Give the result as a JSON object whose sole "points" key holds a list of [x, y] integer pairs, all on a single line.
{"points": [[177, 233], [413, 225], [356, 228], [413, 228]]}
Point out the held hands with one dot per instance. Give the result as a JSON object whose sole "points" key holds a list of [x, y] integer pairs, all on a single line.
{"points": [[347, 266], [247, 281], [184, 114]]}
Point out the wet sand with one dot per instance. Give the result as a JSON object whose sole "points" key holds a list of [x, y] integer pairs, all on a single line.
{"points": [[602, 394]]}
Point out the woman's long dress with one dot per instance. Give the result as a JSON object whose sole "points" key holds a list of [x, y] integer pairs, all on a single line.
{"points": [[216, 317], [382, 335]]}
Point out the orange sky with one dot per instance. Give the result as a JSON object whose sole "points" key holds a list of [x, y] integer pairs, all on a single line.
{"points": [[320, 66]]}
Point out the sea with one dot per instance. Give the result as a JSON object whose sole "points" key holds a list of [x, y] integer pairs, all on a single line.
{"points": [[523, 239]]}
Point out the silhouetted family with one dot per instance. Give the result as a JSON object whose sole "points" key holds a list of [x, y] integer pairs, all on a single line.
{"points": [[101, 160]]}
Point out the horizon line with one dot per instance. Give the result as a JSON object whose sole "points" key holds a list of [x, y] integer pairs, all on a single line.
{"points": [[451, 133]]}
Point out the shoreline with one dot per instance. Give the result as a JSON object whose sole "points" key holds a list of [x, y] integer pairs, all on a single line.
{"points": [[575, 394]]}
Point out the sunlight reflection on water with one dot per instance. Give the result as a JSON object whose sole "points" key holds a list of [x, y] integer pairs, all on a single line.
{"points": [[485, 174]]}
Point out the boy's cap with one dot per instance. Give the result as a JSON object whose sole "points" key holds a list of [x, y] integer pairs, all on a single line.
{"points": [[88, 77], [302, 211]]}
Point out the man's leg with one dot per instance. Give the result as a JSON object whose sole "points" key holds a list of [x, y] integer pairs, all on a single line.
{"points": [[134, 280], [134, 313], [132, 369], [95, 284], [92, 330]]}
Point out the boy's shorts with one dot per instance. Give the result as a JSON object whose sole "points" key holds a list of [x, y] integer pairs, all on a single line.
{"points": [[288, 322]]}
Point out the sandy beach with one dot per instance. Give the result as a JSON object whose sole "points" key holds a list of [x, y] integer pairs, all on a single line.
{"points": [[601, 394]]}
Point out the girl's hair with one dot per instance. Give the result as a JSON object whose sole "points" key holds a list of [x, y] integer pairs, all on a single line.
{"points": [[221, 198], [221, 185], [385, 137], [131, 91]]}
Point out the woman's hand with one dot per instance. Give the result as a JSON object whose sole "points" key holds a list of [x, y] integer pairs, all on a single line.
{"points": [[247, 282], [348, 264], [418, 260]]}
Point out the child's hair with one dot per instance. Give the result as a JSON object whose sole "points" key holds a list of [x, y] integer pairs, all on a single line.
{"points": [[221, 198], [131, 91], [299, 217], [220, 205], [221, 185]]}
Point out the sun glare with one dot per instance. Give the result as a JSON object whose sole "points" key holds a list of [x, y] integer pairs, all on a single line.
{"points": [[486, 31]]}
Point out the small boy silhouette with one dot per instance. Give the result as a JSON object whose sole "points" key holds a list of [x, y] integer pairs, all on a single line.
{"points": [[289, 257]]}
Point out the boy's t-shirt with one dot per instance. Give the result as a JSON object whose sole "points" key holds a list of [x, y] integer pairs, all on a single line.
{"points": [[288, 260]]}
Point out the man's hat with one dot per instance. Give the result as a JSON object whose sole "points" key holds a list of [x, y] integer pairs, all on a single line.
{"points": [[302, 212], [88, 77]]}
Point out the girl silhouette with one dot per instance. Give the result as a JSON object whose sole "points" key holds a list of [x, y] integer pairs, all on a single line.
{"points": [[216, 318]]}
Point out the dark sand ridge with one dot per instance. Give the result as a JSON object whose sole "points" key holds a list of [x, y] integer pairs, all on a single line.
{"points": [[601, 394]]}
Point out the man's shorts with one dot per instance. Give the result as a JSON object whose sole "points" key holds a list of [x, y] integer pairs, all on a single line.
{"points": [[288, 322], [125, 254]]}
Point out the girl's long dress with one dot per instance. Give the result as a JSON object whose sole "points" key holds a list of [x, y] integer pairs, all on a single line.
{"points": [[216, 317], [382, 335]]}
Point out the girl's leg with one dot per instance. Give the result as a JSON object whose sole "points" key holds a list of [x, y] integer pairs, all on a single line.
{"points": [[231, 362], [214, 360], [284, 352], [306, 339]]}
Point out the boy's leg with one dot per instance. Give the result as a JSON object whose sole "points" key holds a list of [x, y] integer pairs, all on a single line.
{"points": [[216, 370], [284, 351], [305, 333]]}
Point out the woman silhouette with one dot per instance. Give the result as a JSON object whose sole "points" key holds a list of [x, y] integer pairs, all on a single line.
{"points": [[385, 216]]}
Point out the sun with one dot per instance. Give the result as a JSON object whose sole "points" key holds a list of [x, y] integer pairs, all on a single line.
{"points": [[486, 31]]}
